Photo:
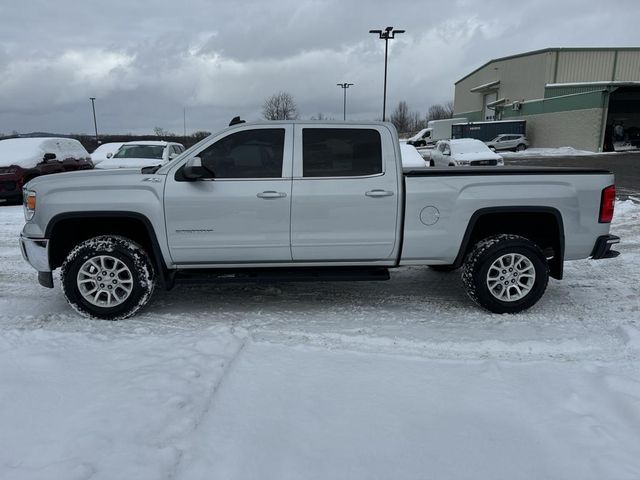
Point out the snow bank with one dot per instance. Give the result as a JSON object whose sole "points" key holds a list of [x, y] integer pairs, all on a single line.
{"points": [[548, 152]]}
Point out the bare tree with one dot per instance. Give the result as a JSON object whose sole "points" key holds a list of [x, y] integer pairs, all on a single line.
{"points": [[416, 122], [321, 116], [449, 108], [280, 106], [400, 117], [440, 111], [199, 135], [161, 132]]}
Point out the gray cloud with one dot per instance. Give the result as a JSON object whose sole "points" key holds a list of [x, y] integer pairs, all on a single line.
{"points": [[145, 61]]}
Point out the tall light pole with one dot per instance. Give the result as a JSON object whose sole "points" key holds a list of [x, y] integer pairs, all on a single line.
{"points": [[387, 34], [344, 87], [95, 123], [184, 121]]}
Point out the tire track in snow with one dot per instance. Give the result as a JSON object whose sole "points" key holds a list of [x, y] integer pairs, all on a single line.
{"points": [[215, 388]]}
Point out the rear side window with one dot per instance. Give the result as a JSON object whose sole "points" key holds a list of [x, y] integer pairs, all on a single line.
{"points": [[341, 152], [247, 154]]}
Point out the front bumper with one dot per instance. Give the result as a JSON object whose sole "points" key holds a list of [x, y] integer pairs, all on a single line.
{"points": [[36, 252], [602, 248]]}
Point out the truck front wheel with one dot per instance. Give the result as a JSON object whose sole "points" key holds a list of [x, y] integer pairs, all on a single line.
{"points": [[505, 273], [108, 277]]}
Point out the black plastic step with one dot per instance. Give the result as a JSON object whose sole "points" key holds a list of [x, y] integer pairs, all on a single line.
{"points": [[300, 274]]}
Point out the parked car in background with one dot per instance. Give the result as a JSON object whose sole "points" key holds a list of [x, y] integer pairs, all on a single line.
{"points": [[142, 154], [411, 158], [104, 151], [466, 152], [517, 143], [22, 159]]}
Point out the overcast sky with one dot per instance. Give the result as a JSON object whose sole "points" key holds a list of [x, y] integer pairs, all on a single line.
{"points": [[146, 61]]}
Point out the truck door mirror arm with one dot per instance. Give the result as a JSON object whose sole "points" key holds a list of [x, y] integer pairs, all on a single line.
{"points": [[194, 170]]}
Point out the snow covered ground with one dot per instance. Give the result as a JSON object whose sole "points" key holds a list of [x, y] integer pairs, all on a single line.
{"points": [[403, 379], [548, 152]]}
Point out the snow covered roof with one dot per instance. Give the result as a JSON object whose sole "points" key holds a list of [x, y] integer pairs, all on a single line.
{"points": [[28, 152], [148, 142]]}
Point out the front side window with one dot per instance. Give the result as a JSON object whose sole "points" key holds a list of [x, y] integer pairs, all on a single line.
{"points": [[247, 154], [341, 152]]}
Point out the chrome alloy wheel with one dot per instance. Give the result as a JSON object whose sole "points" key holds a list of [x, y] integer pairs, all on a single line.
{"points": [[511, 277], [105, 281]]}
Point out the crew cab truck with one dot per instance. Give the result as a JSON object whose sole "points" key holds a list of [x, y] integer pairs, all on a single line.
{"points": [[298, 200]]}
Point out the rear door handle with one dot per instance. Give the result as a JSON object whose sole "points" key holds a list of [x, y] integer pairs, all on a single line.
{"points": [[379, 193], [271, 194]]}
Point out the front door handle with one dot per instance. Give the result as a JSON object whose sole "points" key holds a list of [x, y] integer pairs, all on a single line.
{"points": [[271, 194], [379, 193]]}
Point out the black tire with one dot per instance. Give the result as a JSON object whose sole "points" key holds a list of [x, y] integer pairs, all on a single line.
{"points": [[521, 147], [115, 251], [443, 268], [480, 261]]}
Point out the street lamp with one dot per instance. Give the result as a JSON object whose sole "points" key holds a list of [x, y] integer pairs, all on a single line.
{"points": [[95, 124], [387, 34], [344, 87]]}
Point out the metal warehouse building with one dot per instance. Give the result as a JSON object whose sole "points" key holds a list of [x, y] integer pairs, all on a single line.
{"points": [[568, 96]]}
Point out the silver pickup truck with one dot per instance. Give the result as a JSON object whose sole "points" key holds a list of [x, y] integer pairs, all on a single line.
{"points": [[310, 201]]}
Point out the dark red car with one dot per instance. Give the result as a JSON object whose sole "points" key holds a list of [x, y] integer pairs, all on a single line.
{"points": [[22, 159]]}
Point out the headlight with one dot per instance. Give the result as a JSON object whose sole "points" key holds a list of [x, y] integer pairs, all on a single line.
{"points": [[29, 198], [462, 162]]}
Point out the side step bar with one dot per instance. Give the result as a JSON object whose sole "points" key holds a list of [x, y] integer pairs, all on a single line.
{"points": [[302, 274]]}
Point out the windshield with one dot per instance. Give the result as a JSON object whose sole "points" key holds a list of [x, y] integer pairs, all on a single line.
{"points": [[469, 147], [140, 151]]}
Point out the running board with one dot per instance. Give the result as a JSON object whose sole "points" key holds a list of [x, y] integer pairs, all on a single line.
{"points": [[302, 274]]}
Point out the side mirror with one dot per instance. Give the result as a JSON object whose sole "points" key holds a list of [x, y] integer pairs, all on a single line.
{"points": [[49, 156], [193, 169], [172, 155], [109, 155]]}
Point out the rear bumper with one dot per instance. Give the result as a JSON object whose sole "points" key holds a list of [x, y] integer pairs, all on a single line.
{"points": [[602, 248], [36, 252]]}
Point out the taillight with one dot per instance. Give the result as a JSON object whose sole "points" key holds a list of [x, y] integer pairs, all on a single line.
{"points": [[607, 204]]}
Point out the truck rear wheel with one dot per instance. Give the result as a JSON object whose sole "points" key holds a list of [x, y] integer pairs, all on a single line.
{"points": [[108, 277], [505, 273]]}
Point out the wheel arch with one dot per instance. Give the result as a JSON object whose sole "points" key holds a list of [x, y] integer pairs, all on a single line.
{"points": [[540, 224], [66, 230]]}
